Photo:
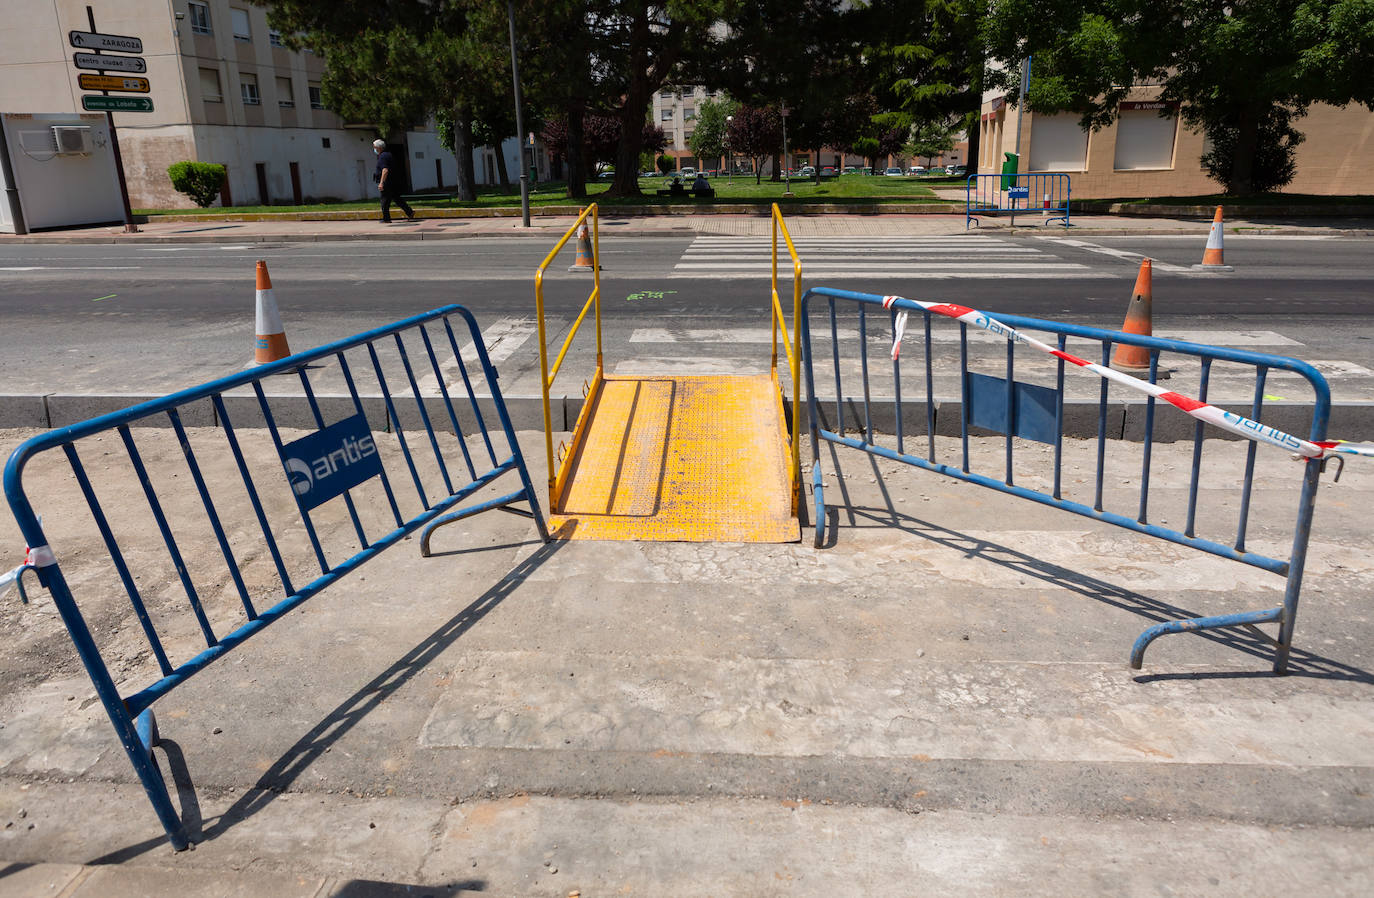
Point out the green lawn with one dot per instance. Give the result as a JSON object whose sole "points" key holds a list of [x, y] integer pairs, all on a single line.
{"points": [[859, 189]]}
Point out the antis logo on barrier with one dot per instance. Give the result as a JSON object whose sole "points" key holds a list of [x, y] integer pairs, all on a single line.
{"points": [[325, 464]]}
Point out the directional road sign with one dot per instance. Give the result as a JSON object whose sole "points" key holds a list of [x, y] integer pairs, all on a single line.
{"points": [[133, 64], [112, 82], [116, 104], [90, 40]]}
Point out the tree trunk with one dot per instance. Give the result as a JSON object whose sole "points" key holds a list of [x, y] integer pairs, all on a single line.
{"points": [[1243, 156], [777, 167], [758, 169], [577, 183], [501, 164], [462, 149], [974, 146]]}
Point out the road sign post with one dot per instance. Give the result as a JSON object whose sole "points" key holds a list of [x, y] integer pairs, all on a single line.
{"points": [[99, 43]]}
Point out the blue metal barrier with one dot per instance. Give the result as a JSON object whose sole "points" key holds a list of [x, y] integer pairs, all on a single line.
{"points": [[337, 460], [1046, 194], [1026, 412]]}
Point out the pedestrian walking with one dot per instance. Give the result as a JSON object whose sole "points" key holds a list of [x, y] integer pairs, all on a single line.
{"points": [[387, 183]]}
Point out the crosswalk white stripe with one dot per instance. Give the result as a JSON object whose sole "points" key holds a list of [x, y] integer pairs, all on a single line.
{"points": [[879, 333], [1110, 251], [502, 339], [813, 274], [830, 265]]}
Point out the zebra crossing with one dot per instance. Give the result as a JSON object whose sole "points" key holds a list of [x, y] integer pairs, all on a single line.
{"points": [[930, 257], [690, 348]]}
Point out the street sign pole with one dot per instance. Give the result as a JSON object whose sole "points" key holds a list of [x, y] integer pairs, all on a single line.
{"points": [[129, 226]]}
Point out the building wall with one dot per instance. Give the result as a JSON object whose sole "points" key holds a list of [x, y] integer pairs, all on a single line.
{"points": [[1339, 141]]}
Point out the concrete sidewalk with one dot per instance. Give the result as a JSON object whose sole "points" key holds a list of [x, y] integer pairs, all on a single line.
{"points": [[936, 703], [438, 225]]}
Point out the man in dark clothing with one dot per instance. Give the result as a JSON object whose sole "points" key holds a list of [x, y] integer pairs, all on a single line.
{"points": [[387, 183]]}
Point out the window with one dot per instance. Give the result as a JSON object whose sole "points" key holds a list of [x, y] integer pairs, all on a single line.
{"points": [[209, 86], [666, 93], [200, 18], [274, 38], [316, 100], [324, 142], [238, 18], [689, 115], [284, 96], [1145, 136], [666, 115], [1058, 143], [248, 88]]}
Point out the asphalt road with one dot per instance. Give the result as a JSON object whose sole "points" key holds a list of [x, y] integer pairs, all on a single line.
{"points": [[101, 317]]}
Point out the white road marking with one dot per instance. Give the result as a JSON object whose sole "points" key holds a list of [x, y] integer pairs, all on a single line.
{"points": [[502, 339]]}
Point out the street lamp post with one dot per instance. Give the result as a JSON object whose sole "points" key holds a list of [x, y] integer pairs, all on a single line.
{"points": [[519, 122], [729, 160], [786, 163]]}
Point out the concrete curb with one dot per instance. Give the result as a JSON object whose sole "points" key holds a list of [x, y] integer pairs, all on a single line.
{"points": [[1125, 419]]}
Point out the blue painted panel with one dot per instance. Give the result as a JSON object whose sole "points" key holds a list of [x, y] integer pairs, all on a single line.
{"points": [[1033, 409], [329, 462]]}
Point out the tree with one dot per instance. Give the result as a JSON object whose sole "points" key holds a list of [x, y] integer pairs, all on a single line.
{"points": [[756, 132], [929, 139], [709, 139], [396, 65], [1241, 71]]}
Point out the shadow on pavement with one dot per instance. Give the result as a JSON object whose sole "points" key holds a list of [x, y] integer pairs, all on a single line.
{"points": [[334, 726], [1301, 663]]}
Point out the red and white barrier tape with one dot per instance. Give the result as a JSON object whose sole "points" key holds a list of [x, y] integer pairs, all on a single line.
{"points": [[1237, 424]]}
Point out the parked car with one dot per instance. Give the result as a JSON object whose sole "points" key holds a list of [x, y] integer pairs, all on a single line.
{"points": [[917, 170], [960, 171], [827, 171], [807, 171], [894, 172], [688, 171], [851, 169]]}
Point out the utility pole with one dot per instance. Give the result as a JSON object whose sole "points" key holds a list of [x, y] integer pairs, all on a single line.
{"points": [[519, 121]]}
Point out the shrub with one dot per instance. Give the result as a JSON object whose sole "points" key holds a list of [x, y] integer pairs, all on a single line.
{"points": [[665, 164], [201, 181]]}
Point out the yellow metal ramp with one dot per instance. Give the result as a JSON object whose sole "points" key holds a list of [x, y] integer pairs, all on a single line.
{"points": [[679, 458]]}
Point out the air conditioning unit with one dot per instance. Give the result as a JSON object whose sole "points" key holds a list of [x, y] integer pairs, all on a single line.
{"points": [[72, 140]]}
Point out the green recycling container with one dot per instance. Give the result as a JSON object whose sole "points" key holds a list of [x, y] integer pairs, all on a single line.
{"points": [[1010, 164]]}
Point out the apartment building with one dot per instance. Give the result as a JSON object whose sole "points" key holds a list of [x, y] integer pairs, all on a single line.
{"points": [[224, 89], [1148, 151]]}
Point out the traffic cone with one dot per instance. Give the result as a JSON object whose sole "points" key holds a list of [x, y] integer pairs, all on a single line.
{"points": [[271, 342], [585, 260], [1211, 257], [1045, 210], [1138, 321]]}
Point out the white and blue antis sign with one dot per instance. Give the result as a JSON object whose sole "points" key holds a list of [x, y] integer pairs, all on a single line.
{"points": [[329, 462]]}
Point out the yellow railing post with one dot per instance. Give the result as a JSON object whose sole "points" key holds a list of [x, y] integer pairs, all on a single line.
{"points": [[791, 345], [547, 374]]}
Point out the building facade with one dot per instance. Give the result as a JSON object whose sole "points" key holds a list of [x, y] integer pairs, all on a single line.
{"points": [[225, 90], [1148, 151]]}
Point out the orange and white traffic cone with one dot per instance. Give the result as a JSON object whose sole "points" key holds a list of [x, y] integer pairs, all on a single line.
{"points": [[586, 261], [1138, 321], [271, 336], [1212, 256]]}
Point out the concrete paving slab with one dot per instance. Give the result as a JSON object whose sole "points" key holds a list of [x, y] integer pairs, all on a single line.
{"points": [[937, 702]]}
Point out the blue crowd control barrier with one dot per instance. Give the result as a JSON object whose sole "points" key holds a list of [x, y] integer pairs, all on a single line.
{"points": [[253, 497], [1025, 403], [1046, 194]]}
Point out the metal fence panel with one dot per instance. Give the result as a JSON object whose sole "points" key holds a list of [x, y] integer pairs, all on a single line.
{"points": [[931, 399], [210, 559], [1046, 194]]}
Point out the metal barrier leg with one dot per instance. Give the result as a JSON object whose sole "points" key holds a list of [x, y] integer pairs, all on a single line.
{"points": [[1297, 559], [19, 581], [1201, 623]]}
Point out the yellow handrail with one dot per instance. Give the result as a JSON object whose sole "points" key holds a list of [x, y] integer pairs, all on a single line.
{"points": [[546, 378], [792, 345]]}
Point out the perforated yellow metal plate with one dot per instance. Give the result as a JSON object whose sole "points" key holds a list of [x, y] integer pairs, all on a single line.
{"points": [[696, 459]]}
